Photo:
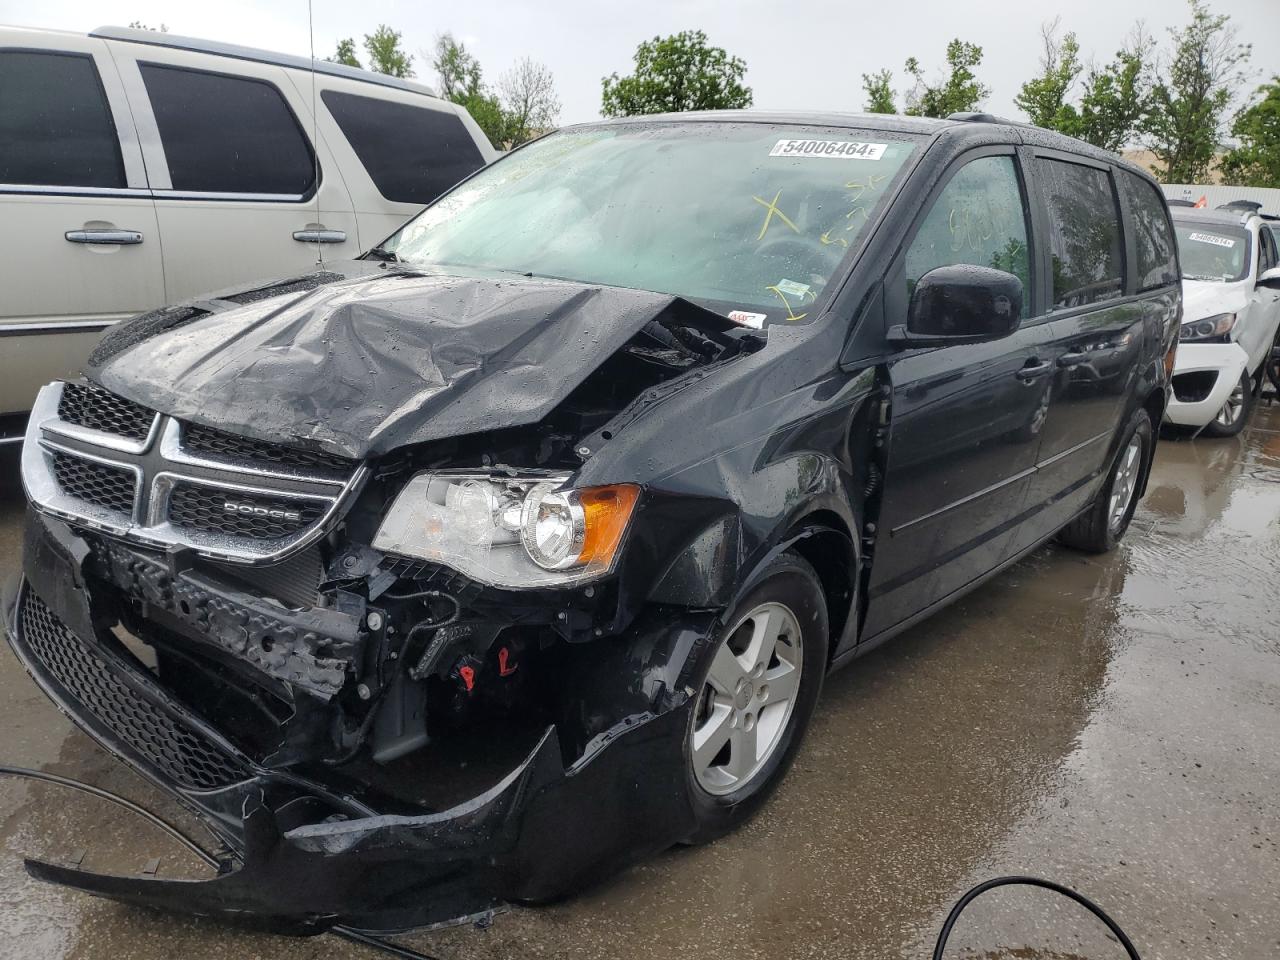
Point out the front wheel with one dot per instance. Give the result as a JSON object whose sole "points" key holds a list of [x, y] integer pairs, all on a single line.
{"points": [[1235, 412], [757, 686], [1101, 526]]}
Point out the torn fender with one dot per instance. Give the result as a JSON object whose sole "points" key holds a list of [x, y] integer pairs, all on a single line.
{"points": [[364, 364]]}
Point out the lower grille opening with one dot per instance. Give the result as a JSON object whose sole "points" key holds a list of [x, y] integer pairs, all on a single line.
{"points": [[177, 751], [239, 515], [1195, 386], [96, 483]]}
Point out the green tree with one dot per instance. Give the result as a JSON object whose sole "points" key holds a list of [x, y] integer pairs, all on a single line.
{"points": [[1117, 96], [1256, 161], [1044, 98], [1191, 93], [529, 101], [462, 81], [677, 73], [879, 91], [345, 54], [385, 55], [959, 92]]}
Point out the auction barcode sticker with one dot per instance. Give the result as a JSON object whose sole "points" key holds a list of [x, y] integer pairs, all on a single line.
{"points": [[1210, 238], [832, 149]]}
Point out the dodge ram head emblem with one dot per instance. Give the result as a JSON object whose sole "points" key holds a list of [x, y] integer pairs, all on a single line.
{"points": [[251, 510]]}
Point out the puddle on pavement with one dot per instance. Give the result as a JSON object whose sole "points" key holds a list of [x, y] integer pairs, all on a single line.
{"points": [[1090, 719]]}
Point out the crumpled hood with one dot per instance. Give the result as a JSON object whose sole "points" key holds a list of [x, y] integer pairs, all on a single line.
{"points": [[1204, 298], [363, 365]]}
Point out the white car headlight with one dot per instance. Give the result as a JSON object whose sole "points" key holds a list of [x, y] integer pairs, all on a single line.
{"points": [[1209, 328], [509, 531]]}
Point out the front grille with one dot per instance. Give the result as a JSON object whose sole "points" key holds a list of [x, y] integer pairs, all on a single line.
{"points": [[181, 753], [238, 515], [94, 482], [215, 443], [88, 406]]}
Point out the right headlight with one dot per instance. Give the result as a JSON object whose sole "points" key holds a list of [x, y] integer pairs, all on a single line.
{"points": [[510, 531], [1209, 328]]}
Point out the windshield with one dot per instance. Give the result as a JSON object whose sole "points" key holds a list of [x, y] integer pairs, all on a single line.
{"points": [[750, 218], [1212, 252]]}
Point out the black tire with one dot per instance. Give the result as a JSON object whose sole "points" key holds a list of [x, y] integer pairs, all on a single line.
{"points": [[791, 582], [1094, 530], [1216, 428]]}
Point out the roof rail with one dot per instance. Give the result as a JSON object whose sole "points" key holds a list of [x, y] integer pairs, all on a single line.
{"points": [[237, 52], [977, 117]]}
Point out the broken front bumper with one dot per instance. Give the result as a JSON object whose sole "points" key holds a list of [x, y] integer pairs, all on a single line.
{"points": [[307, 857]]}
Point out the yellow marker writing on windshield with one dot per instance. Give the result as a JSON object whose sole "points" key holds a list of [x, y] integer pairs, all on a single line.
{"points": [[772, 207], [791, 314]]}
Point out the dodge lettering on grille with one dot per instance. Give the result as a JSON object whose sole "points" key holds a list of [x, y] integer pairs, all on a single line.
{"points": [[251, 510]]}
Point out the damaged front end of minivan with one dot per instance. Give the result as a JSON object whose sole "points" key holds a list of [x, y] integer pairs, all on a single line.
{"points": [[327, 561]]}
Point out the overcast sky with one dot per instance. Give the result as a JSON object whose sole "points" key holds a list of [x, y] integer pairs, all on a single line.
{"points": [[799, 53]]}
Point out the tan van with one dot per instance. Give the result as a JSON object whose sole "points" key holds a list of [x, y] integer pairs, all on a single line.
{"points": [[139, 168]]}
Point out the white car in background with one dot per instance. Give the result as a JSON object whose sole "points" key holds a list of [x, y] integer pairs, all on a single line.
{"points": [[141, 168], [1231, 311]]}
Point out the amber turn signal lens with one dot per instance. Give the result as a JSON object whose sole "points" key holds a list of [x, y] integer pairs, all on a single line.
{"points": [[606, 512]]}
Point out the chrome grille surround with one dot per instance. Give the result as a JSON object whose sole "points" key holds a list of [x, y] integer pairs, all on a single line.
{"points": [[160, 463]]}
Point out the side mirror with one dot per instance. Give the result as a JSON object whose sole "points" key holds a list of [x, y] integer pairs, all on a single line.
{"points": [[1270, 278], [961, 303]]}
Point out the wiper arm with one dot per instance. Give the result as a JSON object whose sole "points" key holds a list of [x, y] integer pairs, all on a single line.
{"points": [[381, 253]]}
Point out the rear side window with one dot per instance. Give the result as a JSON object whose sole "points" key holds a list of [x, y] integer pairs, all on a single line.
{"points": [[55, 125], [413, 154], [1152, 235], [979, 219], [1084, 233], [224, 134]]}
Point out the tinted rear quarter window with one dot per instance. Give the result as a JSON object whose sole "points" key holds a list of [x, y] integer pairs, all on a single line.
{"points": [[225, 134], [55, 125], [1153, 241], [1084, 233], [412, 154]]}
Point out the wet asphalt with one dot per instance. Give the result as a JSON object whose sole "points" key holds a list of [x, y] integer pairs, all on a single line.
{"points": [[1107, 722]]}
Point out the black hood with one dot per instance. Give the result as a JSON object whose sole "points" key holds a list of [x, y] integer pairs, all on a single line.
{"points": [[364, 364]]}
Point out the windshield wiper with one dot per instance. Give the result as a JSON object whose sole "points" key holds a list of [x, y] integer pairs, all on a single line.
{"points": [[381, 253]]}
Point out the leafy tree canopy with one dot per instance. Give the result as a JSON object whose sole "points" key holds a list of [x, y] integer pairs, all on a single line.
{"points": [[677, 73], [385, 55], [960, 91], [1256, 162]]}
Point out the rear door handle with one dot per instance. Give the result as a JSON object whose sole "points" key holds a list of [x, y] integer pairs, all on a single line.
{"points": [[1072, 360], [1034, 368], [111, 236], [320, 236]]}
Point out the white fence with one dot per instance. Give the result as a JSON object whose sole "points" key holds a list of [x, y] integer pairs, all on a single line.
{"points": [[1218, 194]]}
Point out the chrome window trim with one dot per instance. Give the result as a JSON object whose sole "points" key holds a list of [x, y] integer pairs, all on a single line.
{"points": [[154, 530], [69, 190]]}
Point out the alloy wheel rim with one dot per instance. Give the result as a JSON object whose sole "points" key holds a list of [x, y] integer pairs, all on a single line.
{"points": [[1126, 482], [1232, 409], [747, 699]]}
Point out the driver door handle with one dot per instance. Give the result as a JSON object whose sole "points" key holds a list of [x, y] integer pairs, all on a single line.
{"points": [[320, 236], [1033, 369], [110, 236]]}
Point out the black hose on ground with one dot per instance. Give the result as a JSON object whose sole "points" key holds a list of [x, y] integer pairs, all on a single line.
{"points": [[1067, 892]]}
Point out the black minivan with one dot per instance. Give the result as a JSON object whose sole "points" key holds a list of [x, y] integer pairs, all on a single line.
{"points": [[518, 549]]}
